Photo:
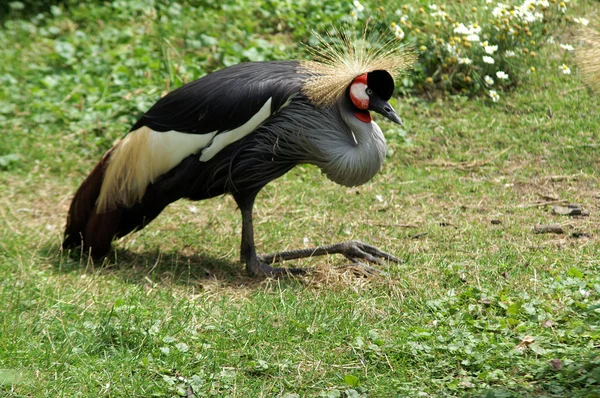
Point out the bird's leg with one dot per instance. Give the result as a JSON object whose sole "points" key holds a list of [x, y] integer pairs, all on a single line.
{"points": [[353, 250], [255, 265]]}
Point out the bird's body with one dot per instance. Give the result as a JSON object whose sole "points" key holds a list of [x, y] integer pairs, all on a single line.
{"points": [[232, 131]]}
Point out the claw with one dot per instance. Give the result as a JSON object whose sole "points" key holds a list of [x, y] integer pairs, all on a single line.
{"points": [[358, 250], [356, 253], [374, 252]]}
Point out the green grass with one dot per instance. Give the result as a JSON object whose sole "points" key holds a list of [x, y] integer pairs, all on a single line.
{"points": [[172, 307]]}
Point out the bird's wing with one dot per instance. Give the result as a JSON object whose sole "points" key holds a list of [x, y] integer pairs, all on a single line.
{"points": [[225, 99], [201, 117], [222, 107]]}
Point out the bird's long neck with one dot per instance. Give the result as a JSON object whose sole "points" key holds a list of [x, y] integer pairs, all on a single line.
{"points": [[348, 151], [359, 157]]}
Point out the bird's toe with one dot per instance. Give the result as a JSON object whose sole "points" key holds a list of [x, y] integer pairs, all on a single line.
{"points": [[359, 250]]}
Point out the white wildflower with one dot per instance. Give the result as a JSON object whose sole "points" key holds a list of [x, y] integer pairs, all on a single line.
{"points": [[465, 61], [439, 14], [562, 6], [565, 69], [461, 29], [544, 3], [527, 4], [488, 80], [488, 60], [494, 95], [582, 21], [451, 48], [359, 7], [509, 54], [398, 32], [567, 47], [491, 49], [499, 10], [529, 17], [473, 37], [501, 75], [474, 29]]}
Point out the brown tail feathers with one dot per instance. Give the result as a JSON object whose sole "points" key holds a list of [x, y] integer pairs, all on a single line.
{"points": [[118, 197], [85, 226]]}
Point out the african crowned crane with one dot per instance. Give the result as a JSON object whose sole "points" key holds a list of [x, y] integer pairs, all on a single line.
{"points": [[235, 130]]}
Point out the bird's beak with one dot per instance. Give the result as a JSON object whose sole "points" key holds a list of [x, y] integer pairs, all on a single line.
{"points": [[384, 109]]}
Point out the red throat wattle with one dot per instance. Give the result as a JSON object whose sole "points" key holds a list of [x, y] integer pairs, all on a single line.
{"points": [[363, 116]]}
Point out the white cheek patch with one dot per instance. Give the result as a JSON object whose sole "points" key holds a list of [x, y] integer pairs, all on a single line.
{"points": [[358, 94], [231, 136]]}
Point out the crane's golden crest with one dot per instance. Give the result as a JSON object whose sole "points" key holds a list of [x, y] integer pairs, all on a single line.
{"points": [[335, 67], [588, 57]]}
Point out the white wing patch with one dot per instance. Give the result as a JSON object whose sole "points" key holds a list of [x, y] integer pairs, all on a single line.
{"points": [[173, 147], [140, 158], [144, 155], [231, 136]]}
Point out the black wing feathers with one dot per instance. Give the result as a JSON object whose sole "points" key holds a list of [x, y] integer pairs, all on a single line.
{"points": [[225, 99]]}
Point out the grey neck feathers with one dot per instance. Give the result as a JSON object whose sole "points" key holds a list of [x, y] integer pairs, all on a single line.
{"points": [[348, 151]]}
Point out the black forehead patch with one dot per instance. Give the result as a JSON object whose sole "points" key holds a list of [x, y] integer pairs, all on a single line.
{"points": [[382, 83]]}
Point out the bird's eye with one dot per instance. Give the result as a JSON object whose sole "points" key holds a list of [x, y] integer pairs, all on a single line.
{"points": [[369, 91]]}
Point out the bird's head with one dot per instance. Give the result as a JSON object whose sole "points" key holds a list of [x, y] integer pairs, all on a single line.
{"points": [[371, 92]]}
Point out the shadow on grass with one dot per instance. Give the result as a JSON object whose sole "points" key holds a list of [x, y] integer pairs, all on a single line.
{"points": [[152, 266]]}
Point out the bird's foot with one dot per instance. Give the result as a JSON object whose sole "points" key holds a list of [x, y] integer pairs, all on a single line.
{"points": [[357, 252], [353, 250]]}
